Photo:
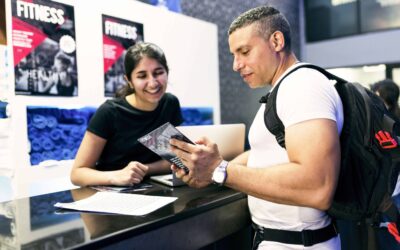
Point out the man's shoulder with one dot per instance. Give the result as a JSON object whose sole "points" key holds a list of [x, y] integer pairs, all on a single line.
{"points": [[299, 73]]}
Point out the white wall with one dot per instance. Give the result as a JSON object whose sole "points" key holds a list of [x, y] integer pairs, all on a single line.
{"points": [[189, 44], [363, 75], [366, 49]]}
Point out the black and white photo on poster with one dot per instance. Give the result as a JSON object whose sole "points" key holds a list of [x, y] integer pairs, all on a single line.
{"points": [[43, 39], [118, 36]]}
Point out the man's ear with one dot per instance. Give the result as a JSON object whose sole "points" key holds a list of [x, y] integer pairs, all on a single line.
{"points": [[277, 40]]}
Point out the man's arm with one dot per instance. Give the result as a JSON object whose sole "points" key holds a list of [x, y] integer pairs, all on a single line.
{"points": [[242, 158], [309, 179]]}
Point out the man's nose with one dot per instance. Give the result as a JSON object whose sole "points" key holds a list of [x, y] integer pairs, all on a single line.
{"points": [[237, 65]]}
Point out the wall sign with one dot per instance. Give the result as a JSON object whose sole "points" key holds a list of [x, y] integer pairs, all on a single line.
{"points": [[43, 37], [118, 36]]}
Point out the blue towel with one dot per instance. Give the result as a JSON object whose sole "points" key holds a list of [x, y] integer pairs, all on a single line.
{"points": [[33, 132], [3, 109], [77, 132], [57, 154], [36, 158], [47, 144], [36, 144], [56, 134], [48, 155], [39, 121], [67, 154], [51, 121]]}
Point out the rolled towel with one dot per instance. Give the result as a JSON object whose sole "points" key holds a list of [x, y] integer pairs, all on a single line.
{"points": [[56, 134], [48, 155], [39, 121], [66, 154], [80, 119], [207, 122], [33, 132], [51, 121], [36, 144], [3, 109], [47, 143], [59, 145], [36, 158], [57, 153], [69, 143], [77, 131]]}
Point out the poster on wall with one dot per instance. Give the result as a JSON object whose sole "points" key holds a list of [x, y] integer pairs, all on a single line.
{"points": [[118, 36], [43, 40], [3, 31]]}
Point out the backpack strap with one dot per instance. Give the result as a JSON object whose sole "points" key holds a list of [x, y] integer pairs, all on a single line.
{"points": [[271, 118], [367, 101]]}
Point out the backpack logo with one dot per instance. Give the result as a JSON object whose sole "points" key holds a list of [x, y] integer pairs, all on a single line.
{"points": [[385, 140]]}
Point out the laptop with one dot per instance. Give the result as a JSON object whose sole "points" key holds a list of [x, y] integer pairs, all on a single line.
{"points": [[168, 179], [229, 138]]}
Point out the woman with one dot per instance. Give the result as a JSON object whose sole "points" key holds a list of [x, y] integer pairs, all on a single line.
{"points": [[110, 153], [388, 90]]}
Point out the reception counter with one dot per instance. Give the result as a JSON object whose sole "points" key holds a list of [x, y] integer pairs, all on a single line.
{"points": [[208, 218]]}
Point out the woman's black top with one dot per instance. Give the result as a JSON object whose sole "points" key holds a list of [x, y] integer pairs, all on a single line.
{"points": [[121, 125]]}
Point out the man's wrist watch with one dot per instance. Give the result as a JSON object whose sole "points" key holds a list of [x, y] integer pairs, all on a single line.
{"points": [[220, 174]]}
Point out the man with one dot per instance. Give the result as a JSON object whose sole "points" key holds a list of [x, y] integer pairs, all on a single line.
{"points": [[288, 190]]}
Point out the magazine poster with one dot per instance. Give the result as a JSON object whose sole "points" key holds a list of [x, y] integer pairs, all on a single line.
{"points": [[43, 39], [118, 36], [3, 31]]}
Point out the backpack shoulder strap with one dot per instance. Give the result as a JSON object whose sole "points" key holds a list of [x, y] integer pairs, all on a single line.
{"points": [[271, 118]]}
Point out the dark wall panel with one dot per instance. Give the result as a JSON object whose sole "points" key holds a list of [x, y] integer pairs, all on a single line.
{"points": [[239, 103]]}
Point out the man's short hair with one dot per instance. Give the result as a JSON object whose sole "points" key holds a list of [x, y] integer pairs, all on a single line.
{"points": [[268, 20]]}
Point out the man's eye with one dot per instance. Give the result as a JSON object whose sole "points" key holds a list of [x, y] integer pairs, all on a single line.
{"points": [[245, 52]]}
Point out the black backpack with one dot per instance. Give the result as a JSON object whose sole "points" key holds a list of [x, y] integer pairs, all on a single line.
{"points": [[370, 151]]}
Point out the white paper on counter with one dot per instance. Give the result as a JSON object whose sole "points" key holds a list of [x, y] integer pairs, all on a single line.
{"points": [[119, 203]]}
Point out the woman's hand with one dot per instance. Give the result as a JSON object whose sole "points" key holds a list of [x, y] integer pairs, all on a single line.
{"points": [[131, 174]]}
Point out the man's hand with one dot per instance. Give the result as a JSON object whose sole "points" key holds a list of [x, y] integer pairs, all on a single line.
{"points": [[133, 173], [201, 159]]}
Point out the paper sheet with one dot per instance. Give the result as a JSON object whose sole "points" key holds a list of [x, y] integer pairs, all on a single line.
{"points": [[119, 203]]}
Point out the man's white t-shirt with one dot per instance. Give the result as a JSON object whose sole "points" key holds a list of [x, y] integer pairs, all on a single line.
{"points": [[303, 95]]}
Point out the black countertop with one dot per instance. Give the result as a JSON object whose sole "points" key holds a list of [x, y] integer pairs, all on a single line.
{"points": [[34, 223]]}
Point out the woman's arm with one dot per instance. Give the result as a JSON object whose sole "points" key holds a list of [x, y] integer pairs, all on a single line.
{"points": [[84, 173]]}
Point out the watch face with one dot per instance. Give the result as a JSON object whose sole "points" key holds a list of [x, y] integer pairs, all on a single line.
{"points": [[219, 176]]}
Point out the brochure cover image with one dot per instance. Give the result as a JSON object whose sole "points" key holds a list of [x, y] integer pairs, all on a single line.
{"points": [[118, 36], [43, 40], [158, 142]]}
